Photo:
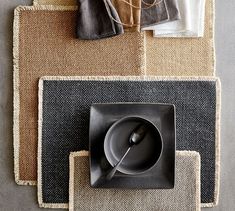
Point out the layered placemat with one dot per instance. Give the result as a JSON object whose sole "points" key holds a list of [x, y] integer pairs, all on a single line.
{"points": [[183, 56], [64, 104], [45, 44], [184, 197], [44, 40], [176, 56]]}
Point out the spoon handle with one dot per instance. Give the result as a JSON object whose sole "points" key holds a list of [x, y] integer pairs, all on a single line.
{"points": [[111, 173]]}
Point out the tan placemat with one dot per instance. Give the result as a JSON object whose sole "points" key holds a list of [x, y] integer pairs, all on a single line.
{"points": [[184, 197], [45, 44], [183, 56], [177, 56]]}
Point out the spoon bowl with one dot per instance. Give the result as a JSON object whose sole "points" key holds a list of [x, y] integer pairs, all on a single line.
{"points": [[142, 156]]}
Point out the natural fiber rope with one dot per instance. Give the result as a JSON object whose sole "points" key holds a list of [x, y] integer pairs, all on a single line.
{"points": [[136, 7], [149, 5]]}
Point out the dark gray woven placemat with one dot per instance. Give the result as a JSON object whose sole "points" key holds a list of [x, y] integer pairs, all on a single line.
{"points": [[65, 104]]}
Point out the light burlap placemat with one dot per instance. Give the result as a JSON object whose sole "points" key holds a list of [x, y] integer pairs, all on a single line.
{"points": [[59, 96], [184, 197], [183, 56], [176, 56], [45, 44]]}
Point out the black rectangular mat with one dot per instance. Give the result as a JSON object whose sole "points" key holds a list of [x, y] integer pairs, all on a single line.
{"points": [[64, 106]]}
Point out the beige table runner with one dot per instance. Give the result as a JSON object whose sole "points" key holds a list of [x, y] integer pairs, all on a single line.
{"points": [[184, 197]]}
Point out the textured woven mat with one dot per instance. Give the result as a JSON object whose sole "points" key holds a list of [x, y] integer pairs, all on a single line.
{"points": [[176, 56], [183, 56], [184, 197], [64, 104], [45, 44]]}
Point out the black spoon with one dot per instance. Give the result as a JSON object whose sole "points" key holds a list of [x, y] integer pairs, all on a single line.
{"points": [[136, 137]]}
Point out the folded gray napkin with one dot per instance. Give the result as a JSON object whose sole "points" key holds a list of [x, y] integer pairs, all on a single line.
{"points": [[173, 9], [162, 11], [97, 19], [155, 14]]}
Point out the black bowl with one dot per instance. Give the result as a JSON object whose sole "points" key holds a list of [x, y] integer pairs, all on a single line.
{"points": [[141, 157]]}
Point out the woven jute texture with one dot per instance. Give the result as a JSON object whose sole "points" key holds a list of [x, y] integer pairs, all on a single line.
{"points": [[184, 197], [45, 44], [183, 56], [64, 107], [178, 56]]}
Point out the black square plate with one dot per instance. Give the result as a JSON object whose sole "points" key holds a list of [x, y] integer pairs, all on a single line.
{"points": [[102, 116]]}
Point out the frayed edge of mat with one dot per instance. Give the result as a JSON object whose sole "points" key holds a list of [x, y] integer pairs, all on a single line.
{"points": [[39, 168], [131, 78], [16, 96], [54, 2], [54, 206], [213, 39], [45, 7]]}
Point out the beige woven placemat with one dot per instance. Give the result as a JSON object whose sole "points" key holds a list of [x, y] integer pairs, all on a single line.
{"points": [[176, 56], [45, 44], [183, 56], [184, 197]]}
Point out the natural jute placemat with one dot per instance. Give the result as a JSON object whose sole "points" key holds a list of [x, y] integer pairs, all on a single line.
{"points": [[64, 106], [184, 197], [45, 44], [176, 56], [183, 56]]}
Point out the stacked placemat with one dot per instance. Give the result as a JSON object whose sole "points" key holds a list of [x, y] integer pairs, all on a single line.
{"points": [[185, 196], [56, 79]]}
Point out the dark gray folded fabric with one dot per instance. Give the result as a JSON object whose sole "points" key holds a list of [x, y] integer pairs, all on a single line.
{"points": [[114, 17], [173, 9], [65, 123], [155, 14], [94, 20], [166, 11]]}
